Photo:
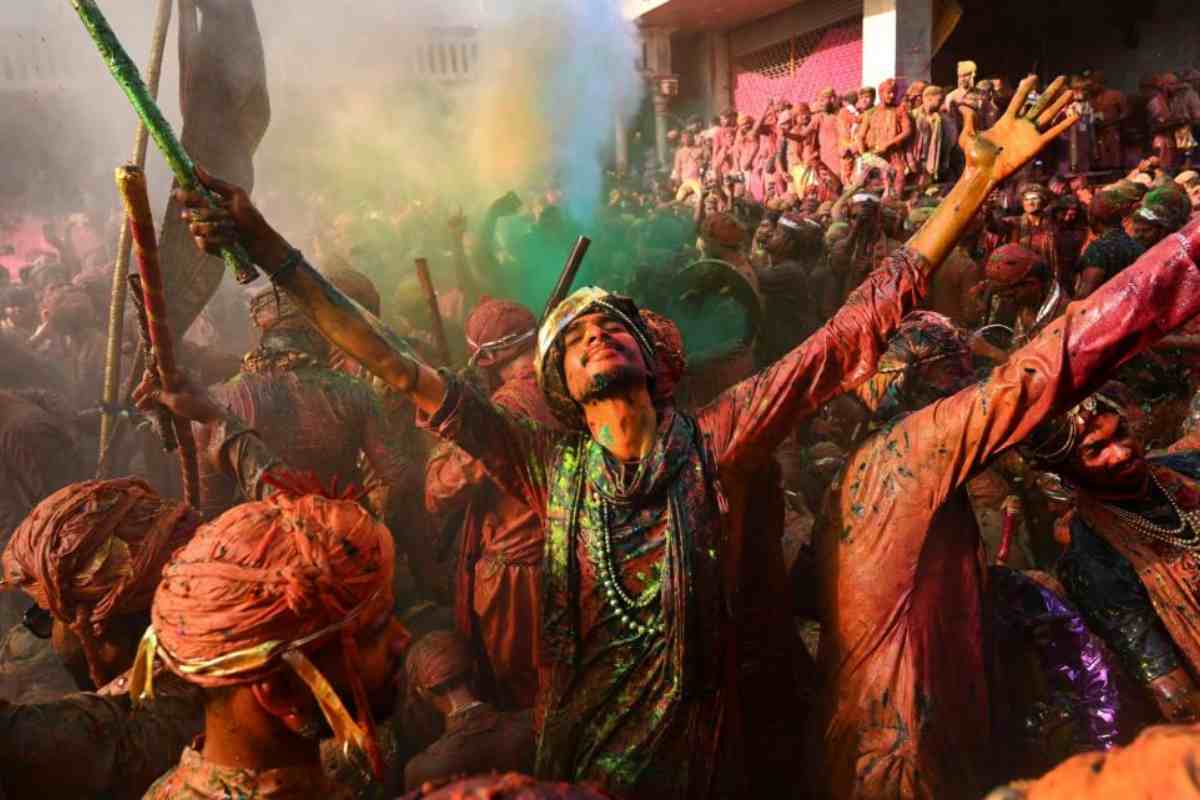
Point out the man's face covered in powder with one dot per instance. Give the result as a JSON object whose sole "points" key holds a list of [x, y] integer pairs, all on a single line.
{"points": [[601, 358], [380, 642]]}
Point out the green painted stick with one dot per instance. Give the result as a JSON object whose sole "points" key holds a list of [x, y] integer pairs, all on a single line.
{"points": [[126, 74]]}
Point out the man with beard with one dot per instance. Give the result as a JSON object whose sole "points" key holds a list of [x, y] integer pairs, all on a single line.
{"points": [[281, 611], [883, 132], [903, 649], [791, 282], [1162, 211], [1130, 566], [645, 506], [866, 244]]}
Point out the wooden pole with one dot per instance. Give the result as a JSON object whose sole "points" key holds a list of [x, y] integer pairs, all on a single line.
{"points": [[120, 286], [435, 313], [131, 181]]}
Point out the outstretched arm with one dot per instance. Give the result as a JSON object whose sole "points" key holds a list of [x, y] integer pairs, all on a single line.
{"points": [[752, 417], [235, 220]]}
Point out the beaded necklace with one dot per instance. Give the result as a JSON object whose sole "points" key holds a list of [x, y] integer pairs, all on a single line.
{"points": [[624, 603], [1188, 521]]}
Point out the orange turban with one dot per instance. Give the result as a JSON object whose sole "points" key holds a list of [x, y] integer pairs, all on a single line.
{"points": [[263, 583], [277, 570], [95, 550]]}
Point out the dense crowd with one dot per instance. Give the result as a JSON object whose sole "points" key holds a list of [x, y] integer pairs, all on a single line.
{"points": [[864, 464]]}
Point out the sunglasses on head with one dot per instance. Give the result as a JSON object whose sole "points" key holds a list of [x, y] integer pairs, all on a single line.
{"points": [[38, 621]]}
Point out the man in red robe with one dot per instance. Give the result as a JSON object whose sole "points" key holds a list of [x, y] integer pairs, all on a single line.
{"points": [[828, 136], [903, 648], [883, 132], [498, 578]]}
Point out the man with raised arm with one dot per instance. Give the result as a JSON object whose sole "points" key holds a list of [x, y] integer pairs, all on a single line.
{"points": [[644, 505]]}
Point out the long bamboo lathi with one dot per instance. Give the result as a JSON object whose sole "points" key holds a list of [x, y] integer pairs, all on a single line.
{"points": [[131, 181]]}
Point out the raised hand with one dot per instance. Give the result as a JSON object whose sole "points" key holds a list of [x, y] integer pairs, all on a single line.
{"points": [[507, 205], [233, 220], [1016, 137], [992, 156], [188, 401]]}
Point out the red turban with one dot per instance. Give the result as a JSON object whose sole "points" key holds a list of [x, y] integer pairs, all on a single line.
{"points": [[723, 229], [277, 570], [494, 321], [1010, 264], [670, 362], [890, 83], [95, 550], [438, 659]]}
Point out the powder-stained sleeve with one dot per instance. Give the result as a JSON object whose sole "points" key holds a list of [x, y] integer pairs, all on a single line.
{"points": [[515, 450], [747, 421], [450, 478], [933, 451]]}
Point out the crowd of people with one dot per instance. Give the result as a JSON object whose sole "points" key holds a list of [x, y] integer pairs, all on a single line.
{"points": [[863, 464]]}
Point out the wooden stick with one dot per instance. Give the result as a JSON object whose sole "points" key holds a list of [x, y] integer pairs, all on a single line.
{"points": [[131, 181], [435, 313], [116, 307], [567, 277]]}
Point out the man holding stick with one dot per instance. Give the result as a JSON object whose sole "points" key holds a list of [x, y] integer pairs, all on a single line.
{"points": [[643, 505]]}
